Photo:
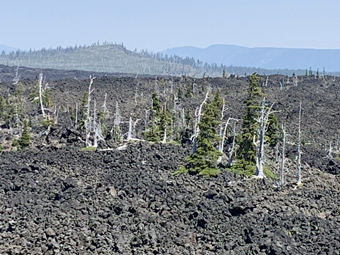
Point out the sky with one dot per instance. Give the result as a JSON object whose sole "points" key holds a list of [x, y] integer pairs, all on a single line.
{"points": [[156, 25]]}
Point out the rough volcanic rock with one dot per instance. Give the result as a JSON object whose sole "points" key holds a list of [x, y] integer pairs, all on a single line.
{"points": [[63, 201]]}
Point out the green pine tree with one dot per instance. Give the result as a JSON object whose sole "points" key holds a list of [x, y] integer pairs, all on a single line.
{"points": [[25, 137], [246, 163], [179, 94], [159, 120], [83, 111], [189, 93], [272, 134], [102, 120], [3, 107], [203, 160], [224, 74]]}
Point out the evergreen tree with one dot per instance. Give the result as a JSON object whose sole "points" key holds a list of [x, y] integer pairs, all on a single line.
{"points": [[165, 120], [310, 73], [2, 107], [224, 74], [25, 137], [179, 94], [159, 120], [272, 134], [83, 111], [246, 162], [188, 119], [189, 93], [203, 160]]}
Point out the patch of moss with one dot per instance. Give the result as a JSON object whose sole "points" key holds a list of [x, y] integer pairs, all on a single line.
{"points": [[181, 170], [88, 148], [246, 168], [269, 174], [243, 167], [209, 171], [46, 123], [15, 143], [337, 157]]}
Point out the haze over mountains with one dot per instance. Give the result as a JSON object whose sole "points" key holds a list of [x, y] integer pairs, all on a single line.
{"points": [[263, 57], [6, 49], [114, 58], [192, 61]]}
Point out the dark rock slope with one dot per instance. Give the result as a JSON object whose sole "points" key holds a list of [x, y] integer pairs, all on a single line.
{"points": [[63, 201]]}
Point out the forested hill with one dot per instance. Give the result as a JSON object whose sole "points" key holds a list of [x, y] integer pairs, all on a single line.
{"points": [[114, 58]]}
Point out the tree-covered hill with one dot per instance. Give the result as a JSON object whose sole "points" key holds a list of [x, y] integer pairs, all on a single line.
{"points": [[115, 58]]}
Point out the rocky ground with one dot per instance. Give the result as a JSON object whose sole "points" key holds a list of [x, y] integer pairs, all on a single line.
{"points": [[55, 199], [63, 201]]}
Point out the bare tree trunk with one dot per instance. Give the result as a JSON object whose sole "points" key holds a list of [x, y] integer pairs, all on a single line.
{"points": [[56, 114], [104, 107], [41, 95], [197, 122], [263, 122], [282, 180], [129, 136], [16, 79], [164, 136], [222, 116], [136, 94], [88, 124], [76, 119], [299, 149], [224, 134], [330, 150], [94, 124], [183, 119]]}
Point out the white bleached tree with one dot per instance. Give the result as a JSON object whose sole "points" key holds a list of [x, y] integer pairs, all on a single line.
{"points": [[261, 132], [299, 178]]}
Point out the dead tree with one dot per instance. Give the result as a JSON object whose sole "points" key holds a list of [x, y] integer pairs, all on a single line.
{"points": [[261, 131], [184, 124], [299, 148], [104, 106], [88, 122], [223, 136], [132, 128], [116, 131], [221, 125], [164, 136], [41, 95], [97, 129], [16, 79], [198, 115], [129, 136], [76, 117], [136, 94], [282, 168], [231, 152], [281, 86]]}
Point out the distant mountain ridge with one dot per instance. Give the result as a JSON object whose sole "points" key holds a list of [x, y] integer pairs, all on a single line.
{"points": [[263, 57], [114, 58]]}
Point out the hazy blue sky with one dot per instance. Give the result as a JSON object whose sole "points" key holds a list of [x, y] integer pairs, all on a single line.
{"points": [[157, 24]]}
